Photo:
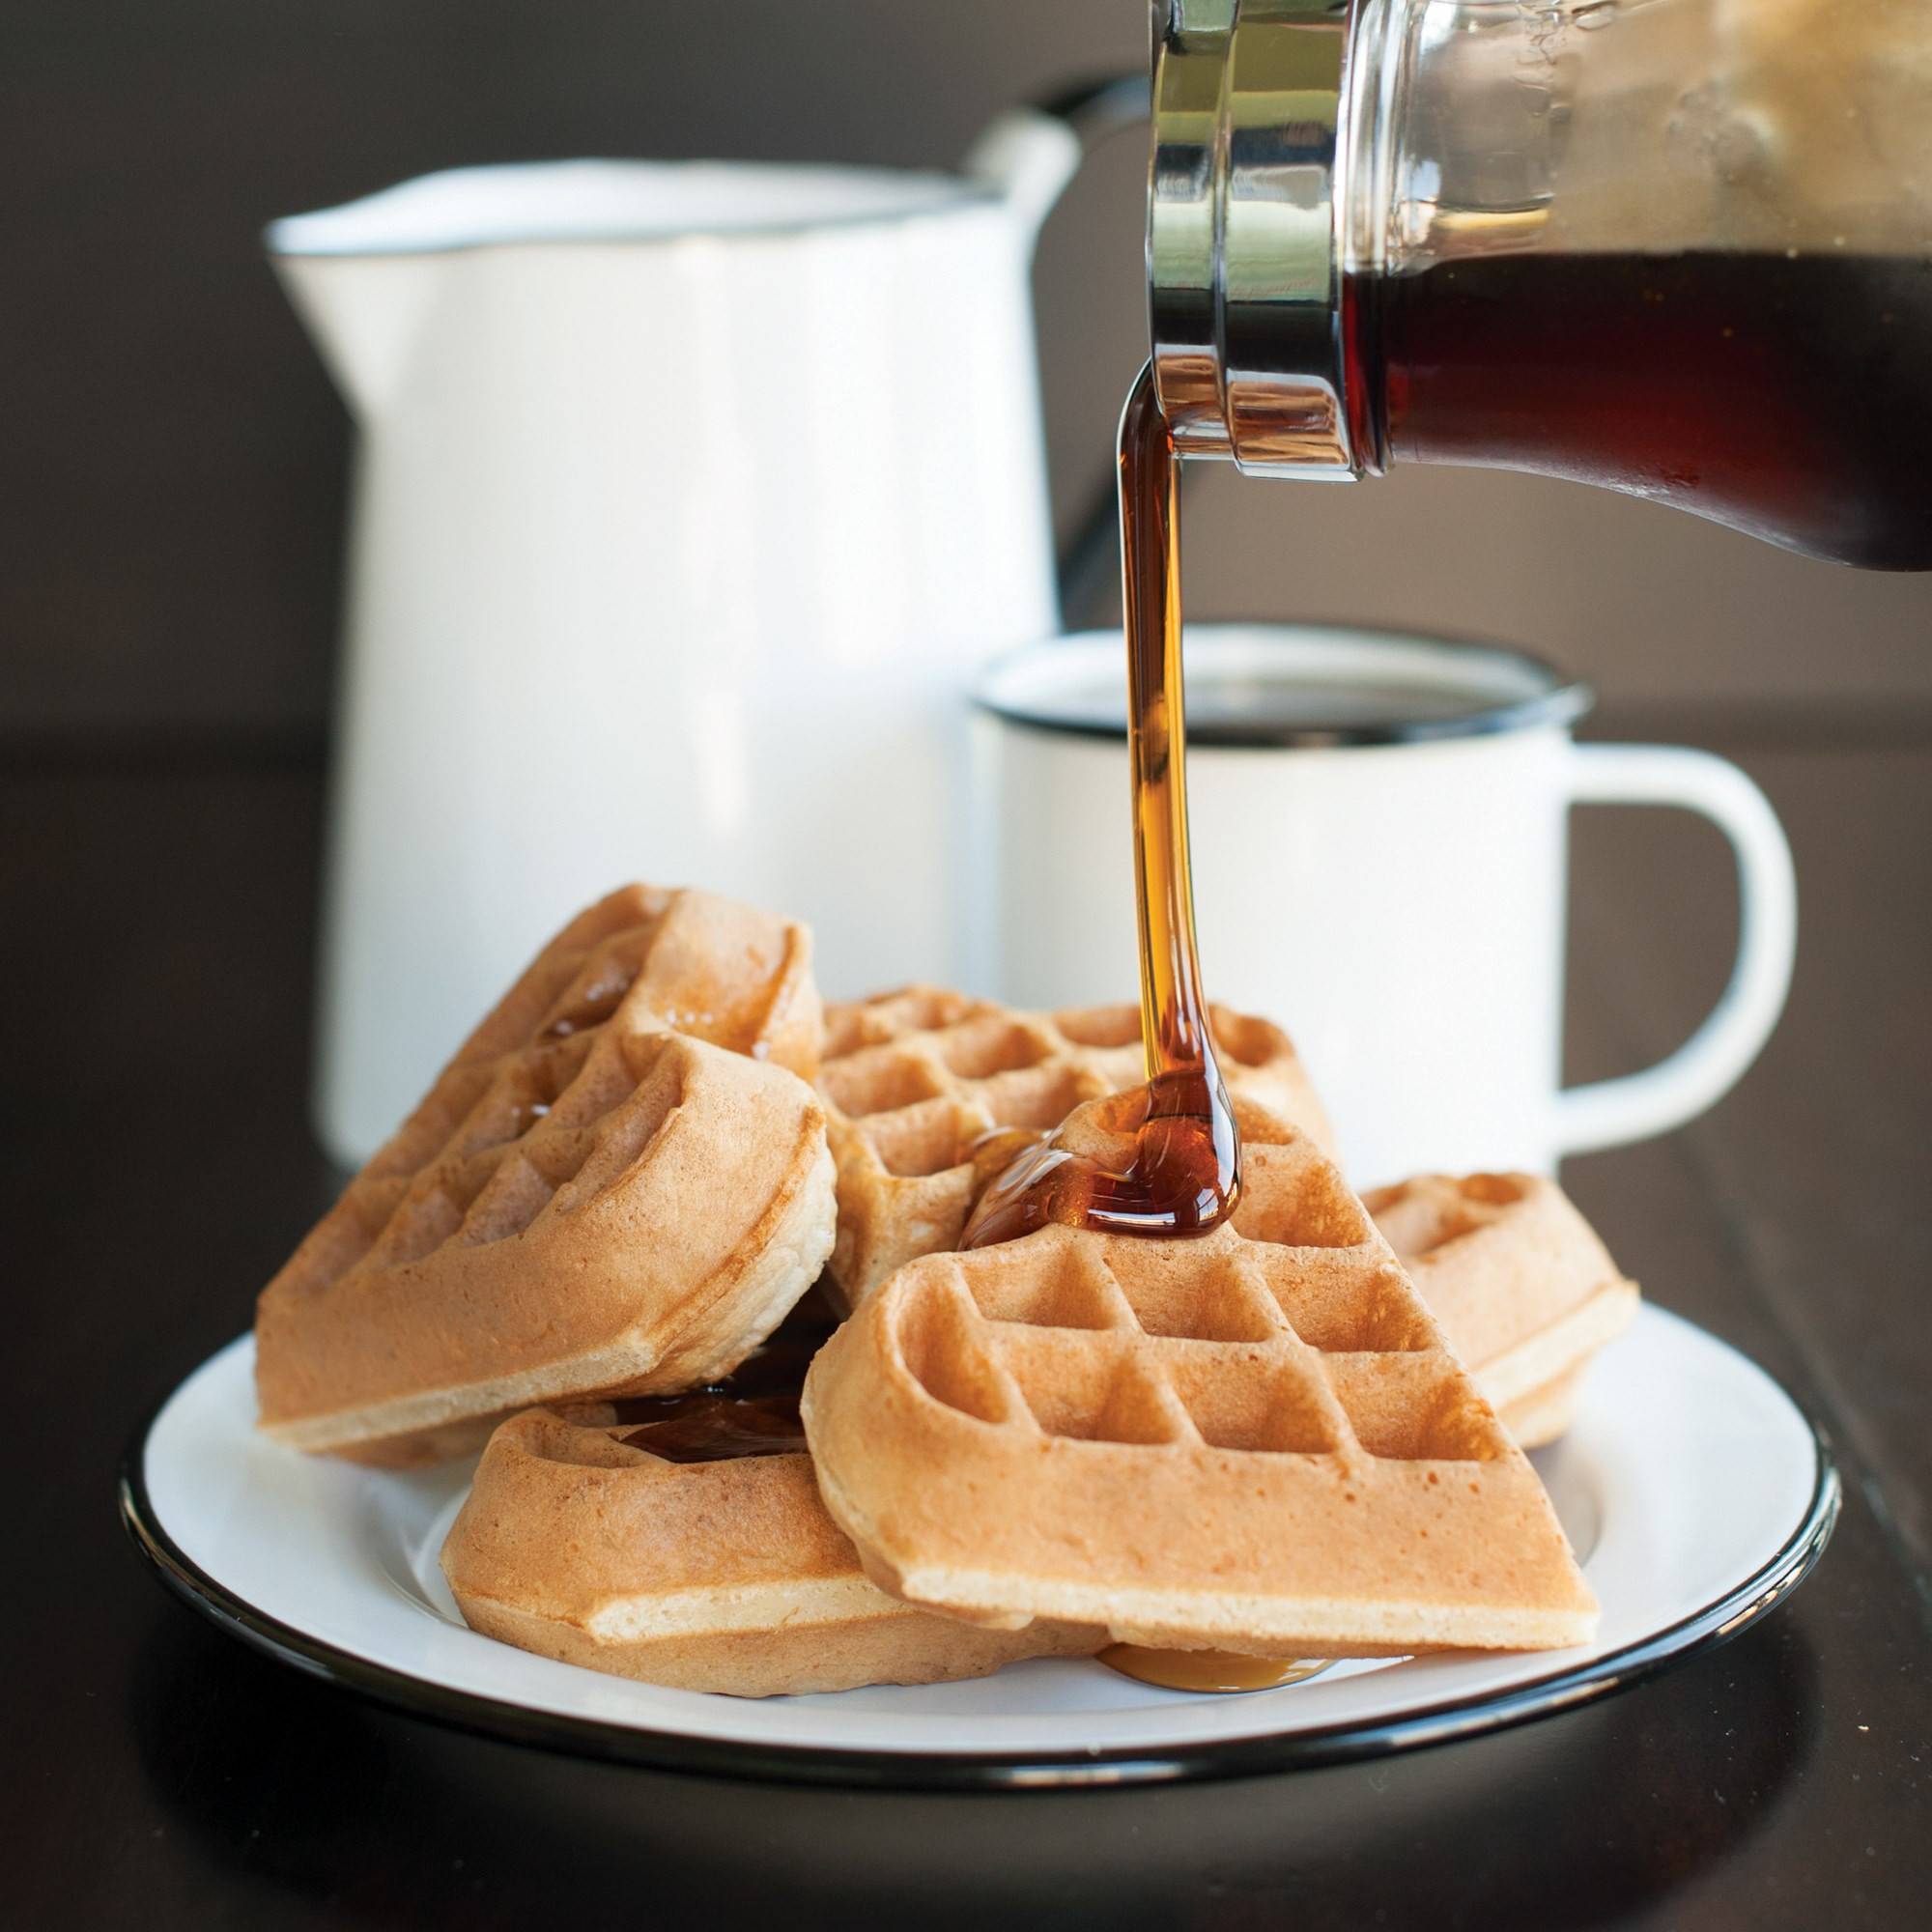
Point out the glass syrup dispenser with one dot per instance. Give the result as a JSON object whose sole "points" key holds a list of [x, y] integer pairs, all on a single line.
{"points": [[1682, 248]]}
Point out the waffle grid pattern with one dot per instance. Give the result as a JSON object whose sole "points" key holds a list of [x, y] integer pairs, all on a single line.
{"points": [[1310, 1343], [1257, 1440], [922, 1072], [556, 1095], [1425, 1213], [913, 1078], [1519, 1280]]}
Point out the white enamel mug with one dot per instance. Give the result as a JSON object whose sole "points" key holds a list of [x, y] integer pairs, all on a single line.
{"points": [[1379, 830]]}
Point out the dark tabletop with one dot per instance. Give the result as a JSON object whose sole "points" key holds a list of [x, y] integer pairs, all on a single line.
{"points": [[159, 925]]}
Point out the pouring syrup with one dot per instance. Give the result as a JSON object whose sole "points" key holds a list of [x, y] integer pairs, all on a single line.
{"points": [[1162, 1159]]}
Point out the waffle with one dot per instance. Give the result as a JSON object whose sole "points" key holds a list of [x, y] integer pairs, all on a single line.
{"points": [[722, 1575], [1255, 1440], [913, 1078], [1523, 1288], [530, 1233]]}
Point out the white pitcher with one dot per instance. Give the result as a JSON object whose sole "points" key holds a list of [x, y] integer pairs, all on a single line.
{"points": [[690, 498]]}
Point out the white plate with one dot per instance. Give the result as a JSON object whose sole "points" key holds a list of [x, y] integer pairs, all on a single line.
{"points": [[1696, 1493]]}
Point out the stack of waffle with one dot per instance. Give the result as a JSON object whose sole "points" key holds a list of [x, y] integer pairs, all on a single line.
{"points": [[913, 1079], [1289, 1437]]}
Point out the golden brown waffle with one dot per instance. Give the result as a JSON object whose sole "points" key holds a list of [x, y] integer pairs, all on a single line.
{"points": [[533, 1230], [1255, 1440], [724, 1575], [1523, 1287], [914, 1077]]}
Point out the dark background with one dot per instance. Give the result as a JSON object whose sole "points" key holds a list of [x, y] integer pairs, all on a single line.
{"points": [[173, 459], [172, 467]]}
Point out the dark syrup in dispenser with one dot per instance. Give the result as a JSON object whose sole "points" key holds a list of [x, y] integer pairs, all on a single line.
{"points": [[1789, 395]]}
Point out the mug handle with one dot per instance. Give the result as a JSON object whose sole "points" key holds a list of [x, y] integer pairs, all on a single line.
{"points": [[1606, 1113]]}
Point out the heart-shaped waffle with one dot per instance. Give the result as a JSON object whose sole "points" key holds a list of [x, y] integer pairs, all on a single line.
{"points": [[913, 1078], [611, 1186], [1255, 1440], [1523, 1287]]}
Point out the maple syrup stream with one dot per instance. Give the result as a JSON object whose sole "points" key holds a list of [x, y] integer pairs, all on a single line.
{"points": [[1162, 1159]]}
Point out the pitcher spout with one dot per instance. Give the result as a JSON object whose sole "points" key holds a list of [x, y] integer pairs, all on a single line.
{"points": [[365, 312]]}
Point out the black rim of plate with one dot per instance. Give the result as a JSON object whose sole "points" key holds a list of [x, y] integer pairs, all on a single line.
{"points": [[1236, 1757]]}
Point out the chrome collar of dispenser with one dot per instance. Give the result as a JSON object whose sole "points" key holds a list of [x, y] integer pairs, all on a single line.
{"points": [[1244, 263]]}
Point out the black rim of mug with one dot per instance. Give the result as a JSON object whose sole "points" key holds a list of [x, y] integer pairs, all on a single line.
{"points": [[1561, 701]]}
